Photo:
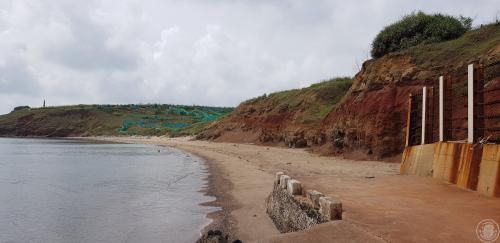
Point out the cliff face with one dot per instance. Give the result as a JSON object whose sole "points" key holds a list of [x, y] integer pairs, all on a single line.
{"points": [[290, 118], [370, 119], [372, 116]]}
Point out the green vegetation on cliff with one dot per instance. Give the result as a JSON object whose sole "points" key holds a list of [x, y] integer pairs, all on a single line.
{"points": [[311, 104], [468, 48], [418, 28], [93, 120]]}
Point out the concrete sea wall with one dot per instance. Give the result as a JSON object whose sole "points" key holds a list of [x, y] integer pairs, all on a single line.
{"points": [[470, 166], [293, 209]]}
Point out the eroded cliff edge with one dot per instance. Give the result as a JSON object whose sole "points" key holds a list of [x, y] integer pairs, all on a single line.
{"points": [[368, 118]]}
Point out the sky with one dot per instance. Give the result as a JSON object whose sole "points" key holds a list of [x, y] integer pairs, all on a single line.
{"points": [[203, 52]]}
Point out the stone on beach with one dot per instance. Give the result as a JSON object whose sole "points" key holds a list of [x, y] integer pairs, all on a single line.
{"points": [[330, 207], [294, 187], [277, 177], [314, 196], [284, 180]]}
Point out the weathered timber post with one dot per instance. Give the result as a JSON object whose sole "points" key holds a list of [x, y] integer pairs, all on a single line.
{"points": [[445, 108], [408, 121], [479, 124], [441, 108], [431, 111], [424, 109], [448, 108]]}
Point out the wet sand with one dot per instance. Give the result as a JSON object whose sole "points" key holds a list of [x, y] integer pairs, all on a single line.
{"points": [[379, 204]]}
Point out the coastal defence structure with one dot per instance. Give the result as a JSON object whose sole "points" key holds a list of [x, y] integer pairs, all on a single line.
{"points": [[462, 148], [292, 208]]}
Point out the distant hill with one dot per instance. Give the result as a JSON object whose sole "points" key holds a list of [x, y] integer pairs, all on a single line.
{"points": [[94, 120]]}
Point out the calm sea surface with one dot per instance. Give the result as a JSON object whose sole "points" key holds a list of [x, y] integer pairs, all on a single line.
{"points": [[76, 191]]}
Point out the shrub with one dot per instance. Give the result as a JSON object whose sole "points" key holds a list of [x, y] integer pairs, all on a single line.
{"points": [[416, 29], [19, 108]]}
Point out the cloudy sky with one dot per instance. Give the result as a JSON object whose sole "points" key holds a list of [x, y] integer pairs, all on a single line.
{"points": [[207, 52]]}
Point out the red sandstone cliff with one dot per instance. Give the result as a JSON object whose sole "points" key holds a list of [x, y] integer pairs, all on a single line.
{"points": [[370, 119]]}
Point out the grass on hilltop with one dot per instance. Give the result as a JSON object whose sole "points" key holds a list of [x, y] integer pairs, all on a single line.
{"points": [[311, 104]]}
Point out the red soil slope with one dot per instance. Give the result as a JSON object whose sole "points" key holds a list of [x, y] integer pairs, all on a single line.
{"points": [[370, 119]]}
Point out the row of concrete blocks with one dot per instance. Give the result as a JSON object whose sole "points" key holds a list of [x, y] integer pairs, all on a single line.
{"points": [[329, 207]]}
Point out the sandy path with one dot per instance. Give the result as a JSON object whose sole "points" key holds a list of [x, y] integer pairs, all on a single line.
{"points": [[379, 204]]}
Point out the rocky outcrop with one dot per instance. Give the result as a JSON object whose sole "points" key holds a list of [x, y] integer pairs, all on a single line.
{"points": [[216, 236]]}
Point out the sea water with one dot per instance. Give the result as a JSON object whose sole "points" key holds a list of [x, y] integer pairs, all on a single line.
{"points": [[81, 191]]}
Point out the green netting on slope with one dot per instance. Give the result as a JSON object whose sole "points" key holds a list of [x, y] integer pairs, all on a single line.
{"points": [[178, 111], [171, 117], [176, 126]]}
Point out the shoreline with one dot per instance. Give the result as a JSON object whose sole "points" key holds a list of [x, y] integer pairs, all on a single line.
{"points": [[218, 188], [242, 213], [156, 196], [221, 186]]}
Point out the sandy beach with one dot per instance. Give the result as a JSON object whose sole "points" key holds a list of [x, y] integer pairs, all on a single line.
{"points": [[379, 204]]}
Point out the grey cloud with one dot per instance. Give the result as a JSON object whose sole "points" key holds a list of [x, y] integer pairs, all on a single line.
{"points": [[88, 47], [217, 52], [89, 56], [15, 78]]}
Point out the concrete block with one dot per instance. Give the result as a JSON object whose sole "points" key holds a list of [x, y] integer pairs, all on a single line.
{"points": [[277, 177], [445, 164], [284, 181], [314, 196], [468, 166], [418, 160], [294, 187], [489, 172], [330, 207]]}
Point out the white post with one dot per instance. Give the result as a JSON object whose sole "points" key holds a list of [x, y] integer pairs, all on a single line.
{"points": [[424, 104], [441, 108], [470, 103]]}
